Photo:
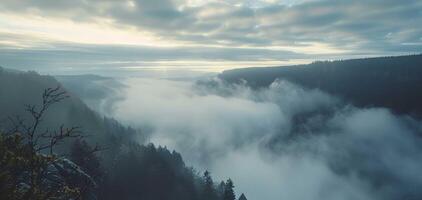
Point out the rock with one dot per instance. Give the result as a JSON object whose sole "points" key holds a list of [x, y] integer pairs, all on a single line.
{"points": [[70, 173], [62, 172]]}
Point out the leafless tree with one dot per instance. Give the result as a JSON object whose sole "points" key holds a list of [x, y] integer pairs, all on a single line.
{"points": [[40, 141]]}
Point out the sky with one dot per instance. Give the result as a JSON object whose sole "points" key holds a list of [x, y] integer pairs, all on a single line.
{"points": [[88, 36]]}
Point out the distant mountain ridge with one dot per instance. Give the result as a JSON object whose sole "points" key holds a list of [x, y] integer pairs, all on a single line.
{"points": [[391, 82]]}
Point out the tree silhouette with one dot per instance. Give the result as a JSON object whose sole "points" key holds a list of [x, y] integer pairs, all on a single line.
{"points": [[220, 189], [131, 170], [228, 191], [23, 164], [242, 197], [209, 192], [83, 154]]}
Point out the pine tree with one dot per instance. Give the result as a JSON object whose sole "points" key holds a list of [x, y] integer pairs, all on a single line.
{"points": [[242, 197], [220, 189], [228, 191], [209, 192], [84, 156]]}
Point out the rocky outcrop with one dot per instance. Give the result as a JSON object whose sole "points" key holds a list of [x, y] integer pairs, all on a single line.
{"points": [[63, 172]]}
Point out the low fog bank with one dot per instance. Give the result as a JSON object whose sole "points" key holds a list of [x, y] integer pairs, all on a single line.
{"points": [[98, 92], [281, 142]]}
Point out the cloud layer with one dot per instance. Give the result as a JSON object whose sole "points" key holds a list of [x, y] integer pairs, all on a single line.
{"points": [[253, 30], [283, 142], [343, 24]]}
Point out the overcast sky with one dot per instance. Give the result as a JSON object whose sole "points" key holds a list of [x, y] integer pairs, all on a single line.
{"points": [[210, 35]]}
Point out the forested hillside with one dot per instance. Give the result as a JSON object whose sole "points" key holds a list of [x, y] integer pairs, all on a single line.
{"points": [[392, 82], [98, 159]]}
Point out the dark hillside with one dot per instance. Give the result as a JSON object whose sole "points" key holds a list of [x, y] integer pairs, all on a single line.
{"points": [[123, 169], [392, 82]]}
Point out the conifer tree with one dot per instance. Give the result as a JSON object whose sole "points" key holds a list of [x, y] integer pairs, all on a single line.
{"points": [[228, 191], [209, 192], [242, 197]]}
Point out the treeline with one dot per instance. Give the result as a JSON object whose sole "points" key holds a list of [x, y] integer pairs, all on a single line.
{"points": [[148, 172], [391, 82], [73, 153], [137, 172]]}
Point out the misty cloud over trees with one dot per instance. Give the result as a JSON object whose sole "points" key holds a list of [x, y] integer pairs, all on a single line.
{"points": [[391, 82], [210, 100], [121, 168], [281, 140], [292, 141]]}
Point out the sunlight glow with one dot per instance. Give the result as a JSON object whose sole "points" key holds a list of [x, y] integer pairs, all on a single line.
{"points": [[56, 29]]}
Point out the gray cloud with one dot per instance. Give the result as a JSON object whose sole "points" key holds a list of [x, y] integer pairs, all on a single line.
{"points": [[349, 25], [60, 57]]}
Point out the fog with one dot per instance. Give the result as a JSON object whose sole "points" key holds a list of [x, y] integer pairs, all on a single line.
{"points": [[281, 142]]}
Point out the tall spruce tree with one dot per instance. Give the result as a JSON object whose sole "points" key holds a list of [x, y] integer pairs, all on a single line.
{"points": [[208, 191], [220, 189], [228, 191]]}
